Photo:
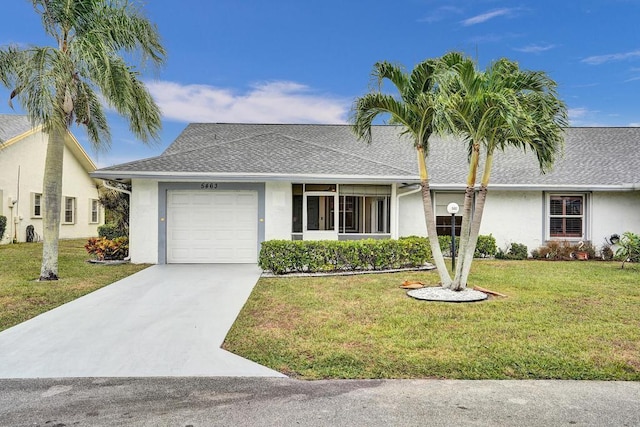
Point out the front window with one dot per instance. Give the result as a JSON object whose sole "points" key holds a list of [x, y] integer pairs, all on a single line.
{"points": [[69, 210], [566, 216]]}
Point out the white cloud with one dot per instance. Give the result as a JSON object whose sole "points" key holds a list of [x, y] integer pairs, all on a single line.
{"points": [[478, 19], [272, 102], [440, 13], [601, 59], [634, 125], [533, 48], [576, 113]]}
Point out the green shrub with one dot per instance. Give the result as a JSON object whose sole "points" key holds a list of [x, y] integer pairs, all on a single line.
{"points": [[485, 247], [108, 249], [309, 256], [515, 251], [3, 226], [111, 231], [629, 250]]}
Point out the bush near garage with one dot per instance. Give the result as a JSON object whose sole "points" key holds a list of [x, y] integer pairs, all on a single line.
{"points": [[111, 231], [308, 256], [107, 249]]}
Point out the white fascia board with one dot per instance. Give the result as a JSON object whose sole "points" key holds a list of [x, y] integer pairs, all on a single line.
{"points": [[543, 187], [238, 177]]}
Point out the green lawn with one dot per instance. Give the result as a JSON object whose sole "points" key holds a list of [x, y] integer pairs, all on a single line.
{"points": [[565, 320], [22, 297]]}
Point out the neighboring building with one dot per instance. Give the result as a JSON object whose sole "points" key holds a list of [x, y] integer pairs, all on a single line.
{"points": [[219, 190], [22, 156]]}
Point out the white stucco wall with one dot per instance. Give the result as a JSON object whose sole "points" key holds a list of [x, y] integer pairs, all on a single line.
{"points": [[143, 222], [514, 217], [278, 208], [509, 216], [519, 217], [614, 212], [28, 155], [411, 216]]}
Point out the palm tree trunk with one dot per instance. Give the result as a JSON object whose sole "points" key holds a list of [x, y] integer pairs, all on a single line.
{"points": [[467, 214], [477, 219], [52, 195], [430, 219]]}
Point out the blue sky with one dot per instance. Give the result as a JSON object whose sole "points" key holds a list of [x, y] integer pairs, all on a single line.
{"points": [[286, 61]]}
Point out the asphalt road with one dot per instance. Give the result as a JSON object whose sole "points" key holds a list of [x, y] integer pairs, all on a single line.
{"points": [[286, 402]]}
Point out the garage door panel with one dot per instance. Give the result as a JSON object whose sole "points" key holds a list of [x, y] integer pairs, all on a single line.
{"points": [[212, 227], [224, 199], [177, 199], [201, 217], [245, 200]]}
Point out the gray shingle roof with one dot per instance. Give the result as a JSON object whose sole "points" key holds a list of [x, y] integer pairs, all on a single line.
{"points": [[12, 125], [592, 157]]}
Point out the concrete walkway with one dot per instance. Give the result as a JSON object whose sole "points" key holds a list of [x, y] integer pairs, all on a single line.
{"points": [[167, 320]]}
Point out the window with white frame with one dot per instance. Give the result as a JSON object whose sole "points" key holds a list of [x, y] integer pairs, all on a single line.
{"points": [[36, 205], [566, 216], [443, 217], [69, 210], [94, 211]]}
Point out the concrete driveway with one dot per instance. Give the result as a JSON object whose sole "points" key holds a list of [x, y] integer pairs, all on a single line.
{"points": [[167, 320]]}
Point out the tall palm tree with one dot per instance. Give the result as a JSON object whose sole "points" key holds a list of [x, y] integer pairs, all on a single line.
{"points": [[68, 83], [413, 108], [501, 107]]}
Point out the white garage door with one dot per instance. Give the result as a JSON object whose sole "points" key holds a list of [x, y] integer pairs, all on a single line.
{"points": [[212, 226]]}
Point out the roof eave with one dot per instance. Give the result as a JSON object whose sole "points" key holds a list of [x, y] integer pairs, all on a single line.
{"points": [[249, 177], [544, 187]]}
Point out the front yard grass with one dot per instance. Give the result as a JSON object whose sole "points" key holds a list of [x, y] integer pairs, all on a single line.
{"points": [[562, 320], [22, 297]]}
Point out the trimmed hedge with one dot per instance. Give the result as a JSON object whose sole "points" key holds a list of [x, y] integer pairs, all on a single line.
{"points": [[310, 256]]}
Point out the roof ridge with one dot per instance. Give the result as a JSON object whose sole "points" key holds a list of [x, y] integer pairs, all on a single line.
{"points": [[348, 154], [217, 145]]}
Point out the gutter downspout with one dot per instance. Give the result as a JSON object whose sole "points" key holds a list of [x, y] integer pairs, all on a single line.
{"points": [[397, 213]]}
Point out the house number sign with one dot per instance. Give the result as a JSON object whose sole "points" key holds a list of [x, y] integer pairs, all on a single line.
{"points": [[208, 185]]}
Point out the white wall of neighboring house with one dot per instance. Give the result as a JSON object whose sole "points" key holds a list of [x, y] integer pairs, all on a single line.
{"points": [[278, 210], [143, 222], [26, 157]]}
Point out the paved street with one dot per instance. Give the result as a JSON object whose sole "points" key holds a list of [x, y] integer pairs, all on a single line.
{"points": [[286, 402]]}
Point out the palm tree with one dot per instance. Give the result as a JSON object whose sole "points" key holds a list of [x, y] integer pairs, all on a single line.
{"points": [[413, 109], [67, 83], [492, 110]]}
